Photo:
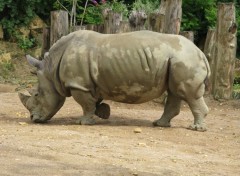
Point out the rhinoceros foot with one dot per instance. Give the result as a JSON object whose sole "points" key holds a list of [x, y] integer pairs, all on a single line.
{"points": [[84, 120], [161, 123], [103, 111], [197, 127]]}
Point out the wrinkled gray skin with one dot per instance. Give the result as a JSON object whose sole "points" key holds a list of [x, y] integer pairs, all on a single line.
{"points": [[131, 67]]}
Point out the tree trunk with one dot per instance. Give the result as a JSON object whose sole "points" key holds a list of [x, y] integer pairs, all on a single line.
{"points": [[172, 10], [188, 34], [171, 15], [1, 32], [59, 25], [111, 22], [155, 22], [224, 60], [137, 20], [124, 27], [46, 41], [210, 52]]}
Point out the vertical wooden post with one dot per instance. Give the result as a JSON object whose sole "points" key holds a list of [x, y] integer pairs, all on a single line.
{"points": [[137, 20], [46, 41], [171, 16], [124, 27], [1, 32], [188, 34], [172, 10], [155, 22], [111, 22], [59, 25], [210, 52], [225, 51]]}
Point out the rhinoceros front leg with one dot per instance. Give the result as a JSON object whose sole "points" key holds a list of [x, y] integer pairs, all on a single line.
{"points": [[171, 109], [88, 103], [199, 110]]}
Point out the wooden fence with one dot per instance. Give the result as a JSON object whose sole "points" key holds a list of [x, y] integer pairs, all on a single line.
{"points": [[220, 46]]}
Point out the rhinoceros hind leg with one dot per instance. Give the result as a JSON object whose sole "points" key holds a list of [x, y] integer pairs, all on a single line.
{"points": [[199, 110], [102, 110], [85, 120], [171, 109], [88, 103]]}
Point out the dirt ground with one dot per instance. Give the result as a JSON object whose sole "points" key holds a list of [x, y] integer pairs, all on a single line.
{"points": [[124, 145]]}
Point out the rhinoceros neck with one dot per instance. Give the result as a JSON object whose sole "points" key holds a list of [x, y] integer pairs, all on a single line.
{"points": [[53, 61], [51, 71]]}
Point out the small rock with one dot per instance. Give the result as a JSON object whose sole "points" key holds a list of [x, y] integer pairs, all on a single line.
{"points": [[137, 130], [22, 123], [142, 144]]}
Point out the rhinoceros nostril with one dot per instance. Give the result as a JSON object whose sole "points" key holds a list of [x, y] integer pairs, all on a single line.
{"points": [[31, 116]]}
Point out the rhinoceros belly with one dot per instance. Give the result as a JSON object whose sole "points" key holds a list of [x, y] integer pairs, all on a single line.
{"points": [[134, 93], [128, 80]]}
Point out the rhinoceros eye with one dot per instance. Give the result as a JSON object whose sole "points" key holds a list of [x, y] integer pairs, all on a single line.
{"points": [[36, 94]]}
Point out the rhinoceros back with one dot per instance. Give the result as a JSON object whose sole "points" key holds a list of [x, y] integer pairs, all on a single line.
{"points": [[129, 68]]}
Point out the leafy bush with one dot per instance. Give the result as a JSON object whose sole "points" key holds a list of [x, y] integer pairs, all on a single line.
{"points": [[94, 13], [25, 43], [14, 14], [198, 16], [5, 68], [148, 6]]}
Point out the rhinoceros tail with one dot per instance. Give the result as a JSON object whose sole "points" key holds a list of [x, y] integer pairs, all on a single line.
{"points": [[207, 79]]}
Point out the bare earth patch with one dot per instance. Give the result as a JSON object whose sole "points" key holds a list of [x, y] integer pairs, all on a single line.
{"points": [[124, 145]]}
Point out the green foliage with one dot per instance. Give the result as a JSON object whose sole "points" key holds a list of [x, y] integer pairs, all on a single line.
{"points": [[5, 68], [198, 16], [64, 4], [25, 43], [94, 12], [118, 7], [236, 86], [14, 14], [93, 15], [148, 6], [238, 32]]}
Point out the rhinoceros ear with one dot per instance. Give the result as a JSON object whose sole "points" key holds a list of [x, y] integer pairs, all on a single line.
{"points": [[34, 62], [32, 92], [23, 98]]}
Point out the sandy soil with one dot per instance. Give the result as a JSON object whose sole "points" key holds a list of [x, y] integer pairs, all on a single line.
{"points": [[125, 145]]}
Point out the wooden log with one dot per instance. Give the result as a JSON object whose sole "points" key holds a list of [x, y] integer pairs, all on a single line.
{"points": [[171, 14], [188, 34], [95, 27], [124, 27], [137, 20], [172, 10], [46, 40], [155, 22], [59, 25], [76, 28], [224, 59], [111, 22], [210, 52], [1, 32]]}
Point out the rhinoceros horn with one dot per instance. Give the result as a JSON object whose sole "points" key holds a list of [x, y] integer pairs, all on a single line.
{"points": [[34, 62], [23, 98]]}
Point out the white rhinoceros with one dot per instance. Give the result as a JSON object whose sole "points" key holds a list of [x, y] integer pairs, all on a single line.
{"points": [[133, 67]]}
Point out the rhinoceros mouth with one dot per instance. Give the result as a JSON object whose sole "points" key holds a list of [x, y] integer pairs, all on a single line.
{"points": [[38, 119]]}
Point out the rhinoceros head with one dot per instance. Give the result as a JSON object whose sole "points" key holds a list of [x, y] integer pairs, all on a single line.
{"points": [[44, 101]]}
